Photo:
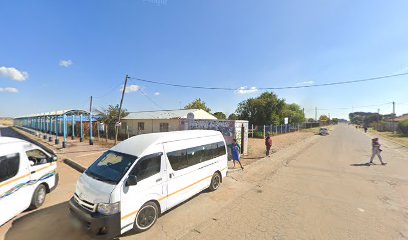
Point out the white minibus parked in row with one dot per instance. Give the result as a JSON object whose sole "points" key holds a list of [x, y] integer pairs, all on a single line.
{"points": [[134, 182], [27, 174]]}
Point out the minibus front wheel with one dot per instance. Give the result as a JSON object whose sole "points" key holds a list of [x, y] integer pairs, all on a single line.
{"points": [[38, 197], [215, 181], [146, 217]]}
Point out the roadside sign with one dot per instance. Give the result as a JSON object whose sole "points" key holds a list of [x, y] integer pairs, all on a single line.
{"points": [[286, 120]]}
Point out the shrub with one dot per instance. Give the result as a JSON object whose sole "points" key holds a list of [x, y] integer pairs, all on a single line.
{"points": [[403, 127]]}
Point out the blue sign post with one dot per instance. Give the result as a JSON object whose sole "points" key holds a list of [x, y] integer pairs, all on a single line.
{"points": [[64, 142], [73, 127], [81, 136], [45, 128], [90, 129], [50, 137], [56, 130]]}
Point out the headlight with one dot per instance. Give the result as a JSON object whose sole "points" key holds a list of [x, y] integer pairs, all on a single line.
{"points": [[108, 208]]}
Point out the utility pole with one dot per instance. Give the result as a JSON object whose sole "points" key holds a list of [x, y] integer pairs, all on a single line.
{"points": [[120, 109], [90, 123], [316, 114], [393, 117]]}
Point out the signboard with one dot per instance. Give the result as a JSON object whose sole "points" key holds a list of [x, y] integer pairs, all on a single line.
{"points": [[286, 120]]}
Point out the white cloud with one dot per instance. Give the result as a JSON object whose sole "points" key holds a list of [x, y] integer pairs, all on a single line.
{"points": [[65, 63], [12, 73], [132, 88], [246, 90], [156, 94], [305, 83], [9, 90]]}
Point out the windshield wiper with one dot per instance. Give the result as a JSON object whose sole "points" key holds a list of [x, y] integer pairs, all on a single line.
{"points": [[100, 178]]}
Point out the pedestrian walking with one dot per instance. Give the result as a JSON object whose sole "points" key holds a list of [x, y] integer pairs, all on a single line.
{"points": [[268, 144], [376, 150], [235, 152]]}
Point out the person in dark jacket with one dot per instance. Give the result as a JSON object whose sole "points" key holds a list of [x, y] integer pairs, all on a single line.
{"points": [[268, 144]]}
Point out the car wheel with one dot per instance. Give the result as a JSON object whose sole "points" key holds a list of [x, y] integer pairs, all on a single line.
{"points": [[215, 181], [146, 217], [38, 197]]}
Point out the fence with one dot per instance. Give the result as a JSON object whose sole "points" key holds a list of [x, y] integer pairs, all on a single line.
{"points": [[260, 131]]}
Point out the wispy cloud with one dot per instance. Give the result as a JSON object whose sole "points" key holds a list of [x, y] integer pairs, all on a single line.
{"points": [[13, 73], [246, 90], [131, 88], [65, 63], [9, 90], [156, 94], [305, 83]]}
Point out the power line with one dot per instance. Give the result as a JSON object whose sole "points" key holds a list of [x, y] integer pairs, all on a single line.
{"points": [[151, 100], [270, 88]]}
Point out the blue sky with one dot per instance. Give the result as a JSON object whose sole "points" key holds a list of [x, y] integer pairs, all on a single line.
{"points": [[58, 53]]}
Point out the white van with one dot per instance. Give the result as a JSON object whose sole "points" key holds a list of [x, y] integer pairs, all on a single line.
{"points": [[27, 174], [134, 182]]}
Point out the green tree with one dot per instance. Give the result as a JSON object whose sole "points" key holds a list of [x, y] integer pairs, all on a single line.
{"points": [[293, 112], [269, 109], [233, 116], [220, 115], [335, 120], [109, 115], [198, 104]]}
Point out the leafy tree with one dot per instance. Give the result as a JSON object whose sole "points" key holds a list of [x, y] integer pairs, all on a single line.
{"points": [[109, 115], [220, 115], [403, 127], [335, 120], [364, 118], [293, 112], [324, 118], [269, 109], [198, 104], [233, 116]]}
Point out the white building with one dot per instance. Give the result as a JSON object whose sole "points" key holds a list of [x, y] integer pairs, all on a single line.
{"points": [[160, 121]]}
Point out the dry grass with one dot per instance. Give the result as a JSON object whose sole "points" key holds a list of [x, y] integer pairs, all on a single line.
{"points": [[6, 121], [396, 137]]}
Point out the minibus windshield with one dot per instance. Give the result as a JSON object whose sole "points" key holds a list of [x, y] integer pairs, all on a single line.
{"points": [[110, 167]]}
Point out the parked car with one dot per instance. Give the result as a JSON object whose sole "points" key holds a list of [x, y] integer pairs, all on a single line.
{"points": [[27, 174], [133, 183], [323, 131]]}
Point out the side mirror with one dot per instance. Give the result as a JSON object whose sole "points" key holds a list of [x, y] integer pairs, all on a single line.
{"points": [[31, 163], [54, 158], [131, 181]]}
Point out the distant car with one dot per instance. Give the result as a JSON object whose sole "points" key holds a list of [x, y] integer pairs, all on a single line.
{"points": [[27, 174], [324, 131]]}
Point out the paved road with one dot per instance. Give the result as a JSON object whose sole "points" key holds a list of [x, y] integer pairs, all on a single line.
{"points": [[316, 189]]}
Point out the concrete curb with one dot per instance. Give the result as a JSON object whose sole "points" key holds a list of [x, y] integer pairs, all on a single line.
{"points": [[74, 165], [33, 140]]}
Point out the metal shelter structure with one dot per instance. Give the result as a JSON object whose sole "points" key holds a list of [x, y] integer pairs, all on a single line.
{"points": [[60, 123]]}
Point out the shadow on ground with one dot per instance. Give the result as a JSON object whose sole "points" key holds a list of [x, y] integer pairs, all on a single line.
{"points": [[360, 164], [48, 223]]}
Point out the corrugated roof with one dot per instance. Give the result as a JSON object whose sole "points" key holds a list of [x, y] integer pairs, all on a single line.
{"points": [[57, 113], [170, 114]]}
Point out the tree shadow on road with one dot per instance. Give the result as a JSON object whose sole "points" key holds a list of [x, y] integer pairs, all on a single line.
{"points": [[52, 222]]}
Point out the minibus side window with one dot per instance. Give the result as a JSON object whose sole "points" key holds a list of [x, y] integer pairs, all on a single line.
{"points": [[221, 149], [147, 166], [178, 159], [9, 165], [37, 157]]}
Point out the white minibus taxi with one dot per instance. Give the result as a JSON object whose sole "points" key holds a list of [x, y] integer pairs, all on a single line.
{"points": [[27, 174], [134, 182]]}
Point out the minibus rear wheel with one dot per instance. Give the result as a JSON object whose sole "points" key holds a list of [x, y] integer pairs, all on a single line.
{"points": [[38, 197], [215, 181], [146, 217]]}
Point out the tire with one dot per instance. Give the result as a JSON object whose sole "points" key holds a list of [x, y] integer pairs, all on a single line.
{"points": [[38, 197], [146, 217], [215, 182]]}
